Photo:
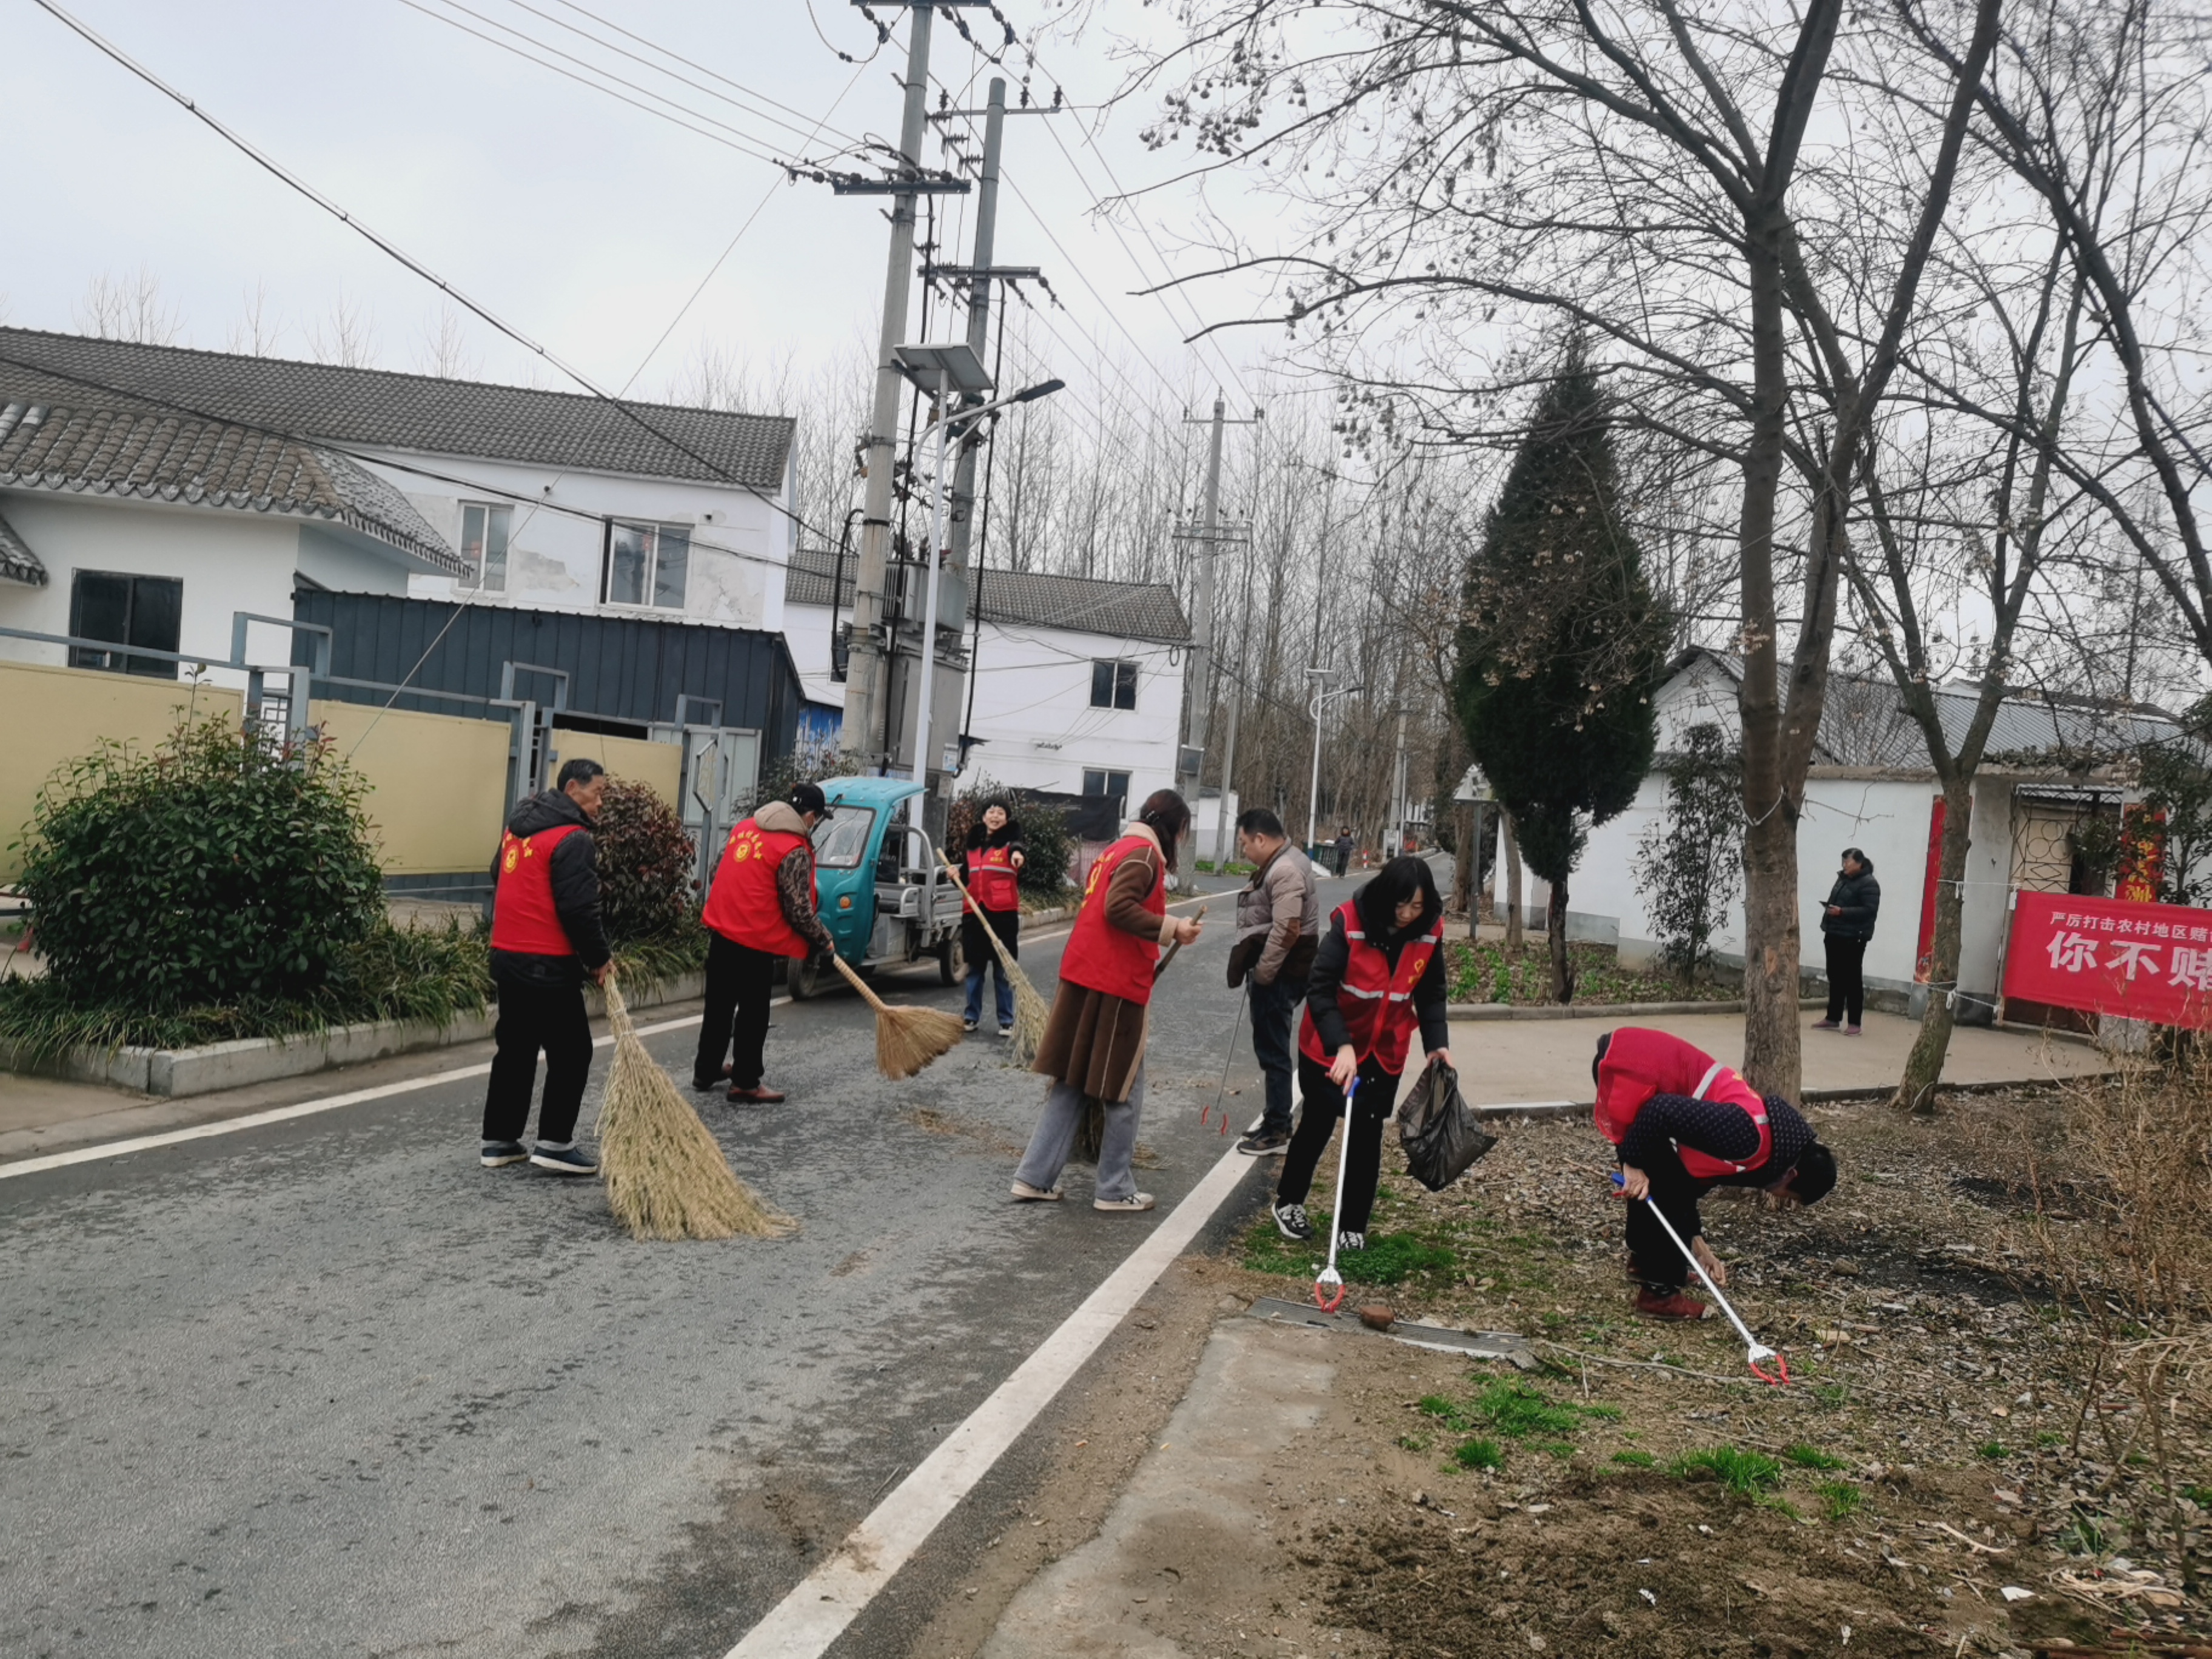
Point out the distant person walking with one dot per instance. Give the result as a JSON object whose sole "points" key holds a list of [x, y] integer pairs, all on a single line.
{"points": [[547, 938], [1344, 845], [995, 857], [1094, 1043], [1846, 926], [760, 910], [1378, 982], [1278, 932]]}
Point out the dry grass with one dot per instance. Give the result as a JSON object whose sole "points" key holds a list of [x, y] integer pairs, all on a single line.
{"points": [[667, 1177]]}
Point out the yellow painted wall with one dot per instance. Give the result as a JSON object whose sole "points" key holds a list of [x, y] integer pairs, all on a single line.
{"points": [[659, 766], [50, 716], [437, 783]]}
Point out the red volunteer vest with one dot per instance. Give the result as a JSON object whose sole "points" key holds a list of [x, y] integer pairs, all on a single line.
{"points": [[1640, 1063], [992, 879], [523, 919], [742, 905], [1376, 1003], [1099, 955]]}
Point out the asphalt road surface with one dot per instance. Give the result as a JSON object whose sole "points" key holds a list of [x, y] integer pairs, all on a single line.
{"points": [[328, 1387]]}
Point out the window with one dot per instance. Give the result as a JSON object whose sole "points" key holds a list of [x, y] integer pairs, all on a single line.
{"points": [[840, 840], [1113, 684], [1106, 783], [142, 610], [647, 564], [484, 546]]}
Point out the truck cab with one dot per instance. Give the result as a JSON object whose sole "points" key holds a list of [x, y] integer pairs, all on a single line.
{"points": [[878, 887]]}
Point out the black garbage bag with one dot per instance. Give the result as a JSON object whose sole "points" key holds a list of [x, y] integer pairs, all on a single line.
{"points": [[1441, 1136]]}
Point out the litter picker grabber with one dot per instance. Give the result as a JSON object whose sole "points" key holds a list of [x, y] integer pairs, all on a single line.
{"points": [[1236, 1026], [1756, 1351], [1328, 1276]]}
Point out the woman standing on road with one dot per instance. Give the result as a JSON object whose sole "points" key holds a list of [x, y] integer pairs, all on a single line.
{"points": [[1846, 927], [1094, 1042], [995, 857], [1378, 977]]}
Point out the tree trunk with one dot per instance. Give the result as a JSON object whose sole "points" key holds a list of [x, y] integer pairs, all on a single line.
{"points": [[1468, 854], [1924, 1066], [1555, 934], [1512, 885]]}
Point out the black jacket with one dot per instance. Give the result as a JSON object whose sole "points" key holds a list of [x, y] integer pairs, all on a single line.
{"points": [[974, 949], [1328, 978], [574, 873], [1860, 896]]}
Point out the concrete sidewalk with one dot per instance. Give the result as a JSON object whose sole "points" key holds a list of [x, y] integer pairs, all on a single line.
{"points": [[1509, 1062]]}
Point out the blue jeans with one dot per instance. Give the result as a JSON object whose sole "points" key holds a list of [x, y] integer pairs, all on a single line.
{"points": [[997, 968], [1274, 1016]]}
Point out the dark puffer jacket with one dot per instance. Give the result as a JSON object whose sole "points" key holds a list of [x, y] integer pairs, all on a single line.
{"points": [[574, 873], [974, 949], [1859, 897]]}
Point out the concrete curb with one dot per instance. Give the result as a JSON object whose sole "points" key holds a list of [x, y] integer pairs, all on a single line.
{"points": [[177, 1072], [1601, 1010], [1811, 1097]]}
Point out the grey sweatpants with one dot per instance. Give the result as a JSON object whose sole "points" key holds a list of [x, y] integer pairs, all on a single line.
{"points": [[1056, 1136]]}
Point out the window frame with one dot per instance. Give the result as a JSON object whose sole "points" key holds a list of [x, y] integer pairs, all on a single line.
{"points": [[479, 580], [650, 582], [123, 660], [1106, 775], [1121, 681], [840, 826]]}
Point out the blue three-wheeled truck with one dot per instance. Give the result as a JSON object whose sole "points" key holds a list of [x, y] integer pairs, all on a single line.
{"points": [[878, 885]]}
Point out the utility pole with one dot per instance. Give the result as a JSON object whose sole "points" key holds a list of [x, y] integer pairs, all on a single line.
{"points": [[1221, 841], [1210, 536], [979, 312], [1398, 790]]}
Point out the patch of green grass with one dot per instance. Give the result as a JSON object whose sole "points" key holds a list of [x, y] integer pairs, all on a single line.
{"points": [[1389, 1259], [1812, 1458], [1830, 1396], [1414, 1442], [1636, 1460], [1484, 973], [1518, 1412], [1480, 1454], [1840, 1499], [1749, 1473], [1993, 1450], [1782, 1503], [2085, 1537], [1447, 1412], [2050, 1438], [2200, 1496]]}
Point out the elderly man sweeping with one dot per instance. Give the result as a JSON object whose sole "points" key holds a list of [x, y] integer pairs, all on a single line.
{"points": [[1684, 1124], [1094, 1043]]}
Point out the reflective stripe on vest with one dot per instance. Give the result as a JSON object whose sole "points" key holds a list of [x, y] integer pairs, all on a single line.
{"points": [[523, 919], [1380, 1018], [991, 878], [1703, 1165], [744, 905], [1100, 957]]}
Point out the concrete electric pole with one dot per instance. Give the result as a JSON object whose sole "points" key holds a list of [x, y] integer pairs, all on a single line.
{"points": [[1210, 536]]}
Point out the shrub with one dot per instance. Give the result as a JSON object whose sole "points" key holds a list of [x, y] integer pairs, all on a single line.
{"points": [[648, 865], [219, 868], [1044, 831]]}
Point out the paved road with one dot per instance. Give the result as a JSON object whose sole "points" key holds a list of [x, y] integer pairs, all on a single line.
{"points": [[326, 1387]]}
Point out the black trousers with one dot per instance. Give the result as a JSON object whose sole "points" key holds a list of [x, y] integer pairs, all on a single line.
{"points": [[1654, 1258], [534, 1017], [739, 982], [1324, 1104], [1846, 978]]}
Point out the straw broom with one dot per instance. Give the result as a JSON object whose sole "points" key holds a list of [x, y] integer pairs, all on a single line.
{"points": [[1030, 1010], [667, 1177], [907, 1039]]}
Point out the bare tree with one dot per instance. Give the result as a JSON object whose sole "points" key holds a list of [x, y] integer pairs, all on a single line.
{"points": [[446, 351], [259, 330], [347, 337], [129, 308]]}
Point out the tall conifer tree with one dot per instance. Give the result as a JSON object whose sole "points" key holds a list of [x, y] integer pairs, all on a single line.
{"points": [[1561, 643]]}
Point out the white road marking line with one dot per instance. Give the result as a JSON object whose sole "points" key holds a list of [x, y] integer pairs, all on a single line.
{"points": [[819, 1608], [107, 1149]]}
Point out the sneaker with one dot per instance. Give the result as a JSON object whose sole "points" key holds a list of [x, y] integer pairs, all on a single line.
{"points": [[1006, 1034], [759, 1095], [1349, 1241], [1676, 1304], [1031, 1194], [968, 1024], [1264, 1143], [1291, 1222], [1827, 1025], [1852, 1030], [564, 1160], [498, 1154], [1134, 1203]]}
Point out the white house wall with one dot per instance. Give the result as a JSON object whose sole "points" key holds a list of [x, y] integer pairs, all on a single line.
{"points": [[740, 543], [334, 561]]}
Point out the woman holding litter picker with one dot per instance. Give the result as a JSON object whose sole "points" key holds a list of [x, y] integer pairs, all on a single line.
{"points": [[995, 857], [1094, 1043], [1685, 1124], [1377, 979]]}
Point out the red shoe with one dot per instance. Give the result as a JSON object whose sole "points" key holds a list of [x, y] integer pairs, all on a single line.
{"points": [[1677, 1305], [759, 1095]]}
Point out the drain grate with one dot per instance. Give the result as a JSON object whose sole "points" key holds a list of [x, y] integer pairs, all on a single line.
{"points": [[1444, 1339]]}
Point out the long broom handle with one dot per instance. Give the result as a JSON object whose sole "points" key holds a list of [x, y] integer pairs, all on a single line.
{"points": [[859, 984], [998, 944]]}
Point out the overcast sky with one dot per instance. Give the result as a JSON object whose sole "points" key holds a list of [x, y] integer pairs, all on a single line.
{"points": [[585, 222]]}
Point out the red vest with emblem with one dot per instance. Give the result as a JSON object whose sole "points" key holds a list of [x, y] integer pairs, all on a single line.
{"points": [[523, 919], [991, 878], [1099, 955], [1376, 1001], [1640, 1063], [743, 905]]}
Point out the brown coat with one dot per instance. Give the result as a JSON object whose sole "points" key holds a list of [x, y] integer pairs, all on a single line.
{"points": [[1093, 1041]]}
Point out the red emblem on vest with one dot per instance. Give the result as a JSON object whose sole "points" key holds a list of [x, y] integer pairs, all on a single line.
{"points": [[523, 919], [1375, 1000], [1099, 955], [743, 906], [992, 879]]}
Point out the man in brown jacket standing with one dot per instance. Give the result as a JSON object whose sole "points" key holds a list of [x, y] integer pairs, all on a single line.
{"points": [[1278, 930]]}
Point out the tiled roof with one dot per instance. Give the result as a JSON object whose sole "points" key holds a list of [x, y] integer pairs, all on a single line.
{"points": [[161, 457], [17, 563], [1023, 599], [421, 413]]}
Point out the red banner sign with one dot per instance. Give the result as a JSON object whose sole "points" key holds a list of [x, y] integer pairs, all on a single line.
{"points": [[2150, 962]]}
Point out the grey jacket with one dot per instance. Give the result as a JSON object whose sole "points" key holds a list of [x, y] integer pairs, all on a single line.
{"points": [[1282, 902]]}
